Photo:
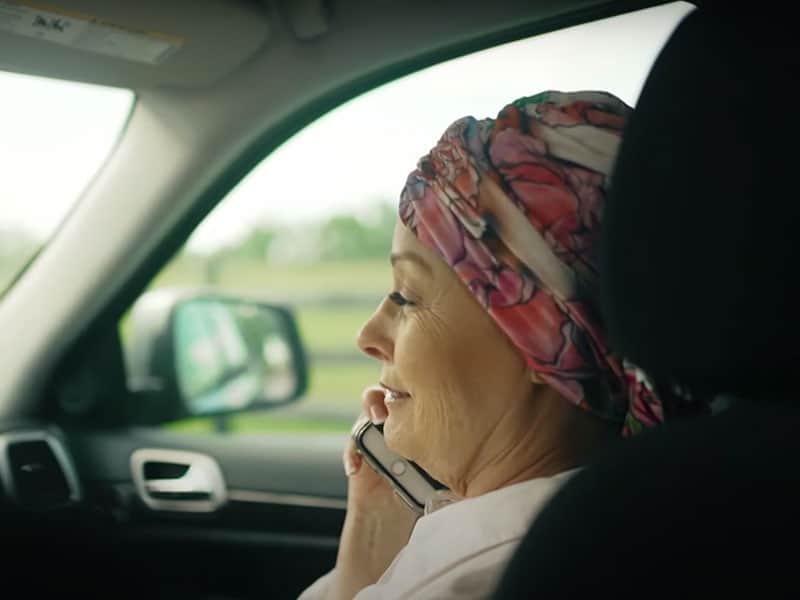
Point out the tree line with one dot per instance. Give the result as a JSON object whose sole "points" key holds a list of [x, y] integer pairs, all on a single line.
{"points": [[338, 237]]}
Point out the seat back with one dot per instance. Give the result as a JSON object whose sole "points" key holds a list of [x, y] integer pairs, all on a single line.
{"points": [[700, 242], [699, 278]]}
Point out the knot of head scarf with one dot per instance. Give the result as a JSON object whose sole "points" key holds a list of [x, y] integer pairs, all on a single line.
{"points": [[514, 205]]}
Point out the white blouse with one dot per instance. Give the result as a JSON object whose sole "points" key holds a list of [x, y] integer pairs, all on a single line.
{"points": [[460, 550]]}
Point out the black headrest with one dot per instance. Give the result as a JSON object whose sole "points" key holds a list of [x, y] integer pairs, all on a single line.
{"points": [[701, 236]]}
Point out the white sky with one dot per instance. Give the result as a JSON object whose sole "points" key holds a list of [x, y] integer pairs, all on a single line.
{"points": [[55, 134], [53, 137]]}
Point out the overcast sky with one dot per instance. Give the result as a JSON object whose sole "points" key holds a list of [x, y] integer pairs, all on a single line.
{"points": [[55, 134]]}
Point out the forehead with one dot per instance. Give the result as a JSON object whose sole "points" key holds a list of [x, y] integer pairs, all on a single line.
{"points": [[402, 239], [404, 242]]}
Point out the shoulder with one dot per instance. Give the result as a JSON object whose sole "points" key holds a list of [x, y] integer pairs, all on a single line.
{"points": [[474, 576], [461, 550]]}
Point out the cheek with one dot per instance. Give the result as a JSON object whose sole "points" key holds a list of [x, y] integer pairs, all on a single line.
{"points": [[462, 373], [426, 356], [439, 364], [423, 362]]}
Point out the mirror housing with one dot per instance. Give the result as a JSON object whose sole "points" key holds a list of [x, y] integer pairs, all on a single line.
{"points": [[198, 354]]}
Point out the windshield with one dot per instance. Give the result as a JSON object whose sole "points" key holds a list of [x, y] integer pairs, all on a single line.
{"points": [[55, 136]]}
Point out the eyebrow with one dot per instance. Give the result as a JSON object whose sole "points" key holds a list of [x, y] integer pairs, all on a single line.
{"points": [[413, 258]]}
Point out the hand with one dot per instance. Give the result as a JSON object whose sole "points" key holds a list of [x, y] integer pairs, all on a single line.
{"points": [[368, 491], [378, 523]]}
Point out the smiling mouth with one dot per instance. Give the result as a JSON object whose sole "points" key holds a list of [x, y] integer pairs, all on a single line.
{"points": [[392, 395]]}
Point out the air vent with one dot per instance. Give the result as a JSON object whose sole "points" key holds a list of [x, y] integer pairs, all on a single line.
{"points": [[35, 470], [37, 476]]}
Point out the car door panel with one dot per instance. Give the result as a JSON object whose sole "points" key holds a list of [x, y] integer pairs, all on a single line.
{"points": [[275, 533]]}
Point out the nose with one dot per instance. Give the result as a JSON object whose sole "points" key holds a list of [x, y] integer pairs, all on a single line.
{"points": [[375, 338]]}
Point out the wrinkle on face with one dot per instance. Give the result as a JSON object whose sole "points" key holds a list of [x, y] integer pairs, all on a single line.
{"points": [[448, 407], [473, 408]]}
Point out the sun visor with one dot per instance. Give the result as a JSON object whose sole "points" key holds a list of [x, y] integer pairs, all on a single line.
{"points": [[147, 43]]}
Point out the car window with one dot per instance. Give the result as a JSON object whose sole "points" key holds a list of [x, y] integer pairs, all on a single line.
{"points": [[49, 151], [310, 227]]}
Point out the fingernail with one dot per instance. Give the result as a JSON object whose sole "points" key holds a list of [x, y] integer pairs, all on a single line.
{"points": [[378, 414], [351, 465]]}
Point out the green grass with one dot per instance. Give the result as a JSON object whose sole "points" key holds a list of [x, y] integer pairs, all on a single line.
{"points": [[339, 384], [330, 405], [325, 329], [182, 270], [322, 329], [332, 329], [345, 277], [335, 386], [368, 277]]}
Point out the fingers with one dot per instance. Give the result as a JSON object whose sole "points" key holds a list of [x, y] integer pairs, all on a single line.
{"points": [[374, 409], [351, 459], [372, 401]]}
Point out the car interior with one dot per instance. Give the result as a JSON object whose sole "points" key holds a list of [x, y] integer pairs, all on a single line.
{"points": [[96, 497]]}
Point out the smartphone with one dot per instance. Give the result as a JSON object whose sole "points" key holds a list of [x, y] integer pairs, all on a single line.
{"points": [[414, 486]]}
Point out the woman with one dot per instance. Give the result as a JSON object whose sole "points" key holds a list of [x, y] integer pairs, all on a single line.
{"points": [[496, 375]]}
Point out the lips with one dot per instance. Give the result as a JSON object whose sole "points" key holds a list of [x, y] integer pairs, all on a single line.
{"points": [[393, 395]]}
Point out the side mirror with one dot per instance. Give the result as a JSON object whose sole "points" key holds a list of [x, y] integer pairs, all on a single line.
{"points": [[194, 354]]}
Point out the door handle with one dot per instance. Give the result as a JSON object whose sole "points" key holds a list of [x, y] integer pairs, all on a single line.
{"points": [[194, 484], [199, 488]]}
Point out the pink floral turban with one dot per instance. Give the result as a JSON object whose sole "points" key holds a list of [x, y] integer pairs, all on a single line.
{"points": [[514, 205]]}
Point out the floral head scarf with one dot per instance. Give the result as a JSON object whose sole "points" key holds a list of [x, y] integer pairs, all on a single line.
{"points": [[514, 205]]}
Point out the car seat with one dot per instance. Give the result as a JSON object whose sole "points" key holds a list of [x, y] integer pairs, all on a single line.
{"points": [[699, 274]]}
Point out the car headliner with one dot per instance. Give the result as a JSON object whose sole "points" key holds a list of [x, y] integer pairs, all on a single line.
{"points": [[245, 79]]}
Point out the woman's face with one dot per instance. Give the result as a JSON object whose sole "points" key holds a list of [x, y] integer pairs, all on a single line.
{"points": [[458, 376]]}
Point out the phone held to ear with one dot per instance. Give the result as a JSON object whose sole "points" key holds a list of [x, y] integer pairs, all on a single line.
{"points": [[414, 486]]}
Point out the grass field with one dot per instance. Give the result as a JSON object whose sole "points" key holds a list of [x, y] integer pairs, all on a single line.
{"points": [[332, 329], [369, 277], [330, 404], [327, 327], [338, 385]]}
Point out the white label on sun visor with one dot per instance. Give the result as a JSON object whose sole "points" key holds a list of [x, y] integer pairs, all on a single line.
{"points": [[85, 32]]}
